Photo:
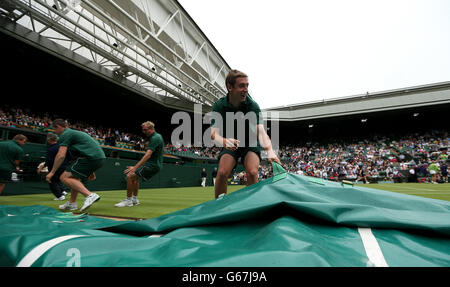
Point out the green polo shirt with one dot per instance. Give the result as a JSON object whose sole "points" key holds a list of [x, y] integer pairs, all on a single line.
{"points": [[81, 143], [10, 151], [156, 144], [251, 117]]}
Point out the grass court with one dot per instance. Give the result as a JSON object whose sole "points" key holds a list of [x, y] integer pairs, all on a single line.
{"points": [[436, 191], [159, 201]]}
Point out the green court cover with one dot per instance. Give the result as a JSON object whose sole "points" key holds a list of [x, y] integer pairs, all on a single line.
{"points": [[287, 220]]}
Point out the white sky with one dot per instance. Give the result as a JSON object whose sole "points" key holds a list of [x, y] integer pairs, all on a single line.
{"points": [[297, 51]]}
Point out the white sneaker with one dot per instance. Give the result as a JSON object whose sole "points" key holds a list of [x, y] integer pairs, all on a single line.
{"points": [[135, 201], [14, 177], [90, 200], [68, 206], [124, 203], [62, 197], [64, 193]]}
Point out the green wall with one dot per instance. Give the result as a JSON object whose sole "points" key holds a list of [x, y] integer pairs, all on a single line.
{"points": [[111, 177]]}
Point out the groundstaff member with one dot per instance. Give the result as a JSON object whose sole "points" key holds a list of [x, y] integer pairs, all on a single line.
{"points": [[81, 169], [239, 101], [11, 153], [56, 186], [146, 168]]}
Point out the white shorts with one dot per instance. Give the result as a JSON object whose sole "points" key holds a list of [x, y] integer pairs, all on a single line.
{"points": [[432, 172]]}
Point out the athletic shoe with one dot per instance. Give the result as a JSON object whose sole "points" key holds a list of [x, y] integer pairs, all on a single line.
{"points": [[14, 177], [62, 197], [124, 203], [90, 200], [68, 206], [135, 201], [64, 193]]}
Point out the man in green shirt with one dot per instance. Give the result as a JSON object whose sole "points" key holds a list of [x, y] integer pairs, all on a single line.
{"points": [[11, 153], [149, 165], [237, 108], [91, 158]]}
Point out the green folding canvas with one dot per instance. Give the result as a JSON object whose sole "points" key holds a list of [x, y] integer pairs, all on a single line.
{"points": [[278, 172], [293, 221]]}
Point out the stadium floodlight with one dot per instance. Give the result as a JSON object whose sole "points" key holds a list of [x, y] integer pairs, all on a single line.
{"points": [[363, 120], [310, 126], [122, 71], [416, 114]]}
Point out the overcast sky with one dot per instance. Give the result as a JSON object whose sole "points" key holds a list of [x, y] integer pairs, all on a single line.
{"points": [[297, 51]]}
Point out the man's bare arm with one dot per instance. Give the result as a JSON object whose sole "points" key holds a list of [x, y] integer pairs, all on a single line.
{"points": [[266, 144], [59, 159], [144, 159], [228, 143]]}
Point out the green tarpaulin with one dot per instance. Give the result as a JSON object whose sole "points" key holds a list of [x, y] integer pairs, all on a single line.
{"points": [[289, 220]]}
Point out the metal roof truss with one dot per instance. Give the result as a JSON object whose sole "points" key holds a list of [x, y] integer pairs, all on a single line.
{"points": [[152, 43]]}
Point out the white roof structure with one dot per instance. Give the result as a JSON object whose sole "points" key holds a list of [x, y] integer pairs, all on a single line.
{"points": [[410, 97], [155, 49], [150, 46]]}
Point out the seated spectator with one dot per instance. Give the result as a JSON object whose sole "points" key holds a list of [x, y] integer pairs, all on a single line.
{"points": [[382, 154]]}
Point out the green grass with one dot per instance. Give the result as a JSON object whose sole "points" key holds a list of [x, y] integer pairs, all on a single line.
{"points": [[159, 201], [154, 202], [436, 191]]}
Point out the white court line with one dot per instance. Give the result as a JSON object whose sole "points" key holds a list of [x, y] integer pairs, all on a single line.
{"points": [[372, 248], [39, 250]]}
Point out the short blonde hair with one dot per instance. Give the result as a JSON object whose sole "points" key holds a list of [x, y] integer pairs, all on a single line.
{"points": [[148, 124]]}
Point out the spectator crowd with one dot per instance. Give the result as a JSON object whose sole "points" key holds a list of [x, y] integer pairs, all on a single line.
{"points": [[375, 159], [407, 158], [22, 118]]}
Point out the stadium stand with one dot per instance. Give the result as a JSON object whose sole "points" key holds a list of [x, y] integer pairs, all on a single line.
{"points": [[370, 159]]}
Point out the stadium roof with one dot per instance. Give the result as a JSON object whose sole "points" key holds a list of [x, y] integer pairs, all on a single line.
{"points": [[152, 47], [417, 96], [156, 50]]}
